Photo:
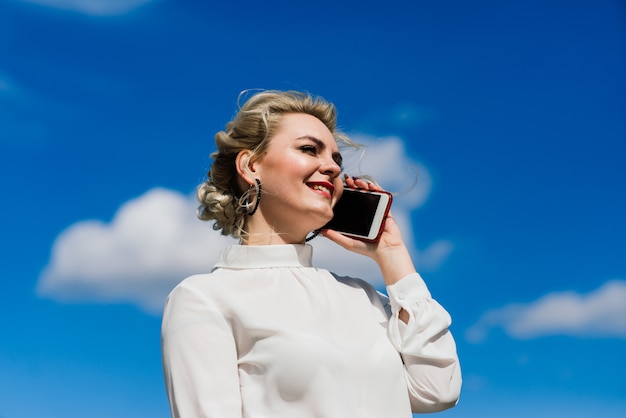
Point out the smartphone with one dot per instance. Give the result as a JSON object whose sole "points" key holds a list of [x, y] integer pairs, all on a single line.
{"points": [[361, 214]]}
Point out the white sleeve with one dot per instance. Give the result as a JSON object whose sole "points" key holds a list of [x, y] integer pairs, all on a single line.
{"points": [[426, 345], [199, 358]]}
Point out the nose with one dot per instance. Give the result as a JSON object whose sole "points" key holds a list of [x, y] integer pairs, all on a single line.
{"points": [[330, 167]]}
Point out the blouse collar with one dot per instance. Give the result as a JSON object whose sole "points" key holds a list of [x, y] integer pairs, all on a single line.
{"points": [[238, 257]]}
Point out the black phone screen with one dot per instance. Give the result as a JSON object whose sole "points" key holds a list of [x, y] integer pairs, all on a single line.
{"points": [[354, 213]]}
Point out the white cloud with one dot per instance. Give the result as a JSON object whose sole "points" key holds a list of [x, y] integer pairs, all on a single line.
{"points": [[433, 256], [93, 7], [601, 313], [386, 159], [152, 243], [155, 240]]}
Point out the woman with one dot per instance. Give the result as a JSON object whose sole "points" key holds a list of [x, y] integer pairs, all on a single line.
{"points": [[266, 334]]}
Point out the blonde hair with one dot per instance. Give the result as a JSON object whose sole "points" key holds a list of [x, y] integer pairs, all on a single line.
{"points": [[252, 128]]}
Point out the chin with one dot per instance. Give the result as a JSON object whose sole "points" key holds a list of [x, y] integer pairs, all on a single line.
{"points": [[325, 222], [322, 220], [328, 214]]}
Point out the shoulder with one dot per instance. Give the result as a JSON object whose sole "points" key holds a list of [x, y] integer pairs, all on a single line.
{"points": [[375, 297], [201, 289], [196, 298], [204, 282]]}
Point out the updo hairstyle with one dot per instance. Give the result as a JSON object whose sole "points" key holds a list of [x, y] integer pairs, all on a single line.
{"points": [[256, 122]]}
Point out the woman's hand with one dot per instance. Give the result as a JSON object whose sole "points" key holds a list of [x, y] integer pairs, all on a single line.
{"points": [[389, 252]]}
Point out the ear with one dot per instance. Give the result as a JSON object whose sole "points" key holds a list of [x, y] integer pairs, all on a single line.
{"points": [[246, 167]]}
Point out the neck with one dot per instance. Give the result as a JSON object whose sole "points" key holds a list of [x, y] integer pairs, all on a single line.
{"points": [[261, 233], [270, 239]]}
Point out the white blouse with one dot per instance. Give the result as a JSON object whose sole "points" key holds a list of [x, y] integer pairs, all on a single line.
{"points": [[268, 335]]}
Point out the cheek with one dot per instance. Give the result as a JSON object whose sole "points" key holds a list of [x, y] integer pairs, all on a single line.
{"points": [[338, 191], [293, 166]]}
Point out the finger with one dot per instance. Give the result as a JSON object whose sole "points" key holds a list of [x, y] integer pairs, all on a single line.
{"points": [[374, 187], [362, 184], [338, 238], [356, 182], [349, 181]]}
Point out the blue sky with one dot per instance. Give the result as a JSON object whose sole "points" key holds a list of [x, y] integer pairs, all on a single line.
{"points": [[511, 112]]}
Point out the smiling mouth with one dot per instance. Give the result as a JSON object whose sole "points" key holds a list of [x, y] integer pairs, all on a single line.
{"points": [[325, 188]]}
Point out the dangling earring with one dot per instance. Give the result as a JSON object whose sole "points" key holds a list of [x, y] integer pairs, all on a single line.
{"points": [[245, 198]]}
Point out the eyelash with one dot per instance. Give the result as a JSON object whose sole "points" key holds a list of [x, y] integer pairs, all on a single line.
{"points": [[309, 149], [313, 150]]}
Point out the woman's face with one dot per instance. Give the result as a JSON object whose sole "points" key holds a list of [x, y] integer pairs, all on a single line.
{"points": [[300, 176]]}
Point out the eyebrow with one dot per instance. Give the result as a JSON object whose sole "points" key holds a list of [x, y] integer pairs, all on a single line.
{"points": [[336, 155]]}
